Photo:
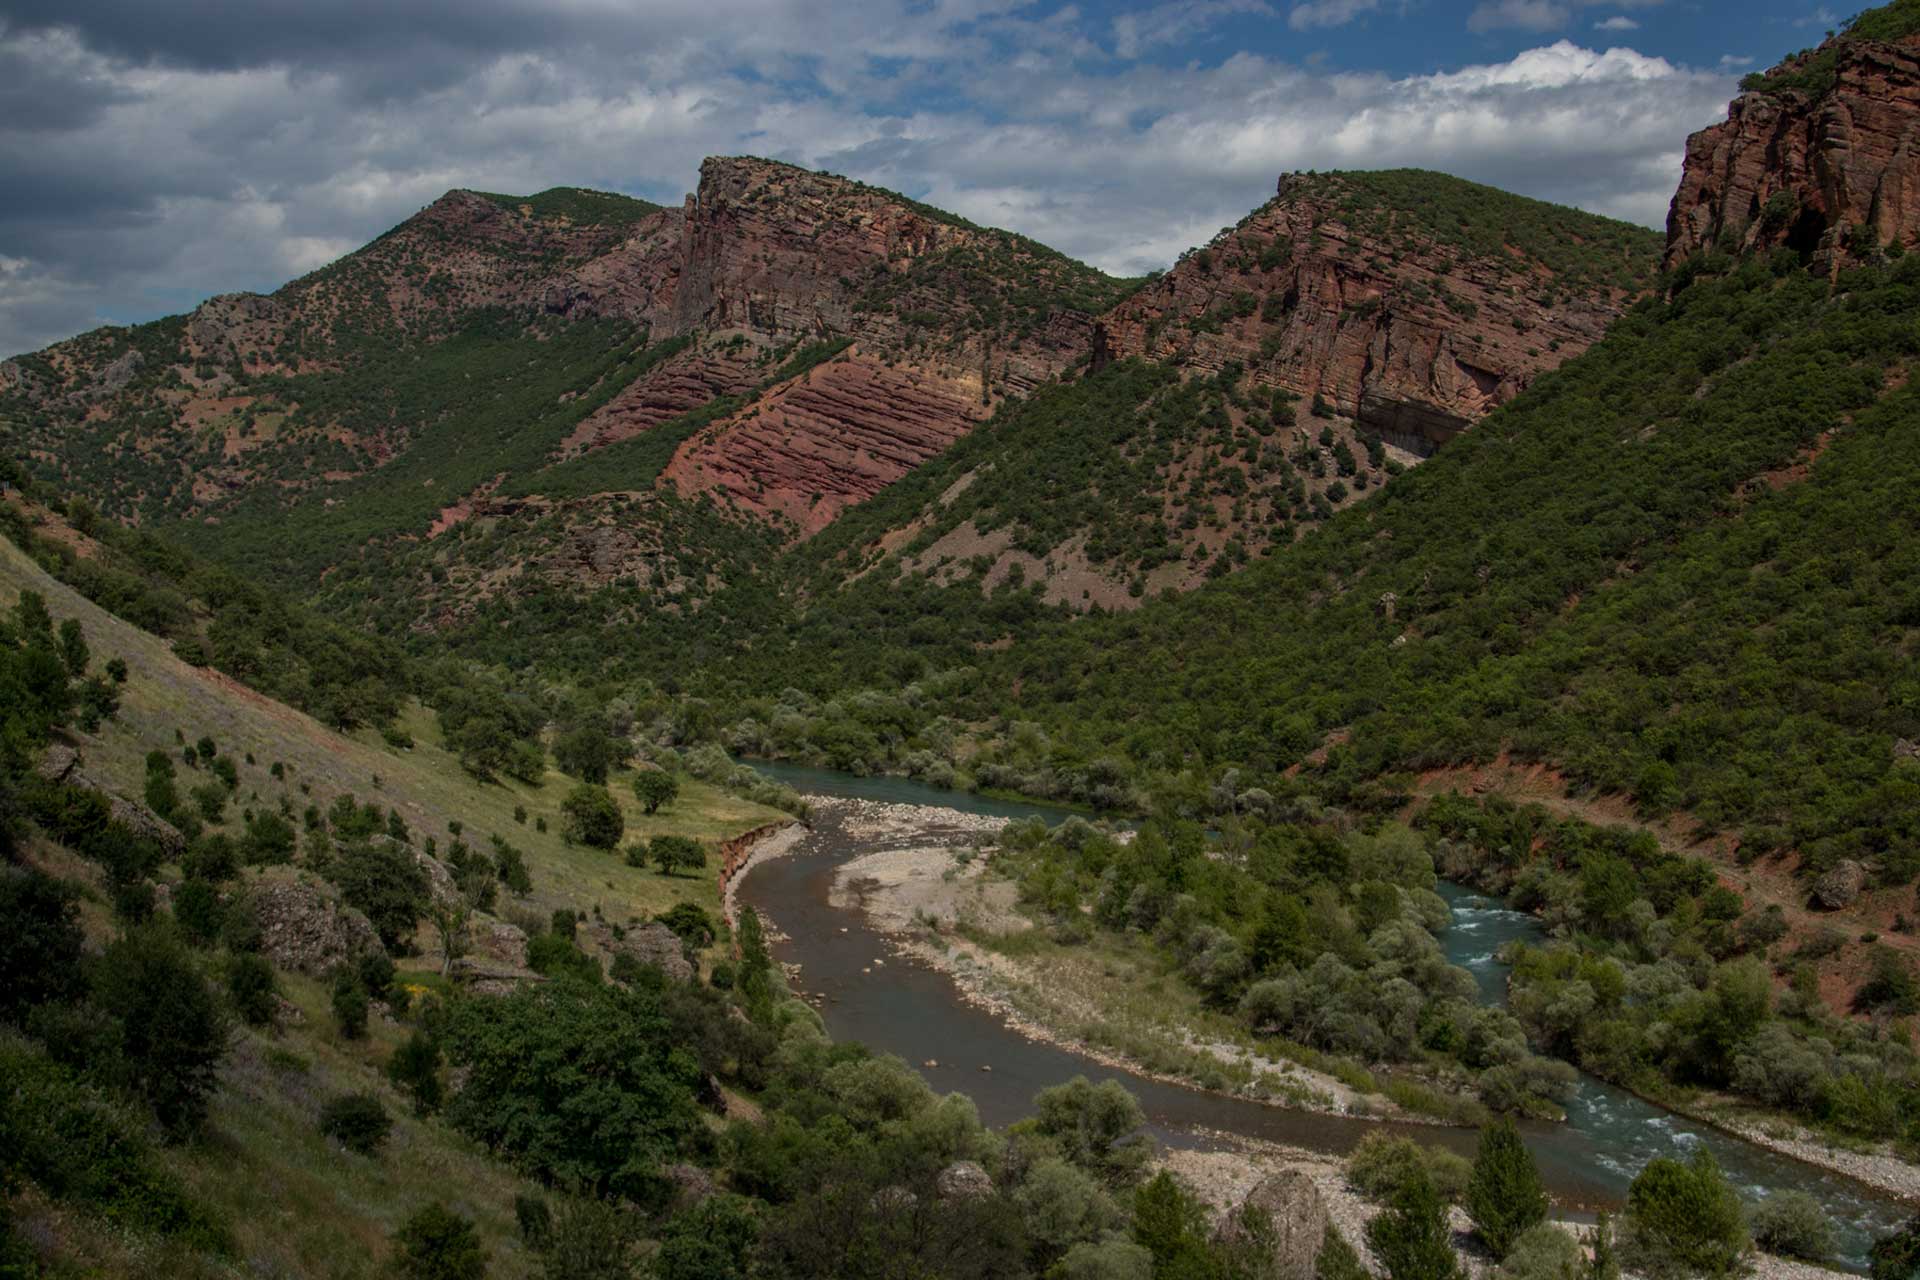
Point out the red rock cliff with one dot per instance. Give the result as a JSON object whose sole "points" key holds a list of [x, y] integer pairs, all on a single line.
{"points": [[1828, 145]]}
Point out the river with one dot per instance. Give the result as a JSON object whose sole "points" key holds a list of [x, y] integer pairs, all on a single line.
{"points": [[913, 1011]]}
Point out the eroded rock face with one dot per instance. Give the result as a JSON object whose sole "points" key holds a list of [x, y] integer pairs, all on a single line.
{"points": [[1297, 1215], [303, 924], [62, 763], [1796, 168], [1412, 339], [832, 437]]}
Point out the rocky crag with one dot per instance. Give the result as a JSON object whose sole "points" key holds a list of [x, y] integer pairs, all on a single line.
{"points": [[1821, 155]]}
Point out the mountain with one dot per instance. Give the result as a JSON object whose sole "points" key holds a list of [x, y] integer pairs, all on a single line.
{"points": [[1816, 155]]}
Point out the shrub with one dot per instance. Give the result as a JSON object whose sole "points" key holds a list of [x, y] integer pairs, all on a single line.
{"points": [[707, 1242], [671, 853], [250, 988], [438, 1244], [535, 1220], [1383, 1164], [357, 1121], [1097, 1127], [1337, 1260], [1684, 1218], [1504, 1196], [1791, 1224], [198, 911], [590, 816], [1543, 1252], [1110, 1259]]}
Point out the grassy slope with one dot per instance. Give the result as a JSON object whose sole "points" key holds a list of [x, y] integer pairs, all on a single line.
{"points": [[425, 783], [301, 1206]]}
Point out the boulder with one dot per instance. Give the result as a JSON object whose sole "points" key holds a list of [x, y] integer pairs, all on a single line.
{"points": [[440, 883], [1297, 1215], [303, 924], [1840, 884], [659, 946], [691, 1184], [497, 941], [964, 1180]]}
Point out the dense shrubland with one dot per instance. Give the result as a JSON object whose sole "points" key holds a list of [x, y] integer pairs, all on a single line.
{"points": [[1660, 978]]}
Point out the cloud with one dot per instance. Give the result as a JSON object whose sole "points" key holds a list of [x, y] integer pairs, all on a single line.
{"points": [[1544, 15], [1135, 33], [173, 172], [1328, 13], [1618, 22]]}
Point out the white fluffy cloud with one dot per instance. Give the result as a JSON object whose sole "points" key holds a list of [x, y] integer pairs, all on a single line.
{"points": [[151, 182]]}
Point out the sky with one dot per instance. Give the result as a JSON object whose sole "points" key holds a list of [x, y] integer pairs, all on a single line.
{"points": [[156, 152]]}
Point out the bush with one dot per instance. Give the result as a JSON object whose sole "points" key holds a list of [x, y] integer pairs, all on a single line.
{"points": [[590, 816], [1097, 1127], [1504, 1196], [1543, 1252], [1684, 1218], [1791, 1224], [535, 1220], [172, 1028], [438, 1244], [1384, 1164], [1337, 1260], [671, 853], [198, 911], [250, 988], [357, 1121]]}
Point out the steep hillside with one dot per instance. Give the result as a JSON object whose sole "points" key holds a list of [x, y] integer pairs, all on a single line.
{"points": [[1339, 334], [1816, 154]]}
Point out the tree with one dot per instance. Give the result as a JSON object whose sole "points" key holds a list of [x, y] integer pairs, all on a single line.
{"points": [[1504, 1195], [172, 1028], [1604, 1261], [693, 925], [415, 1069], [1172, 1226], [671, 853], [1337, 1259], [1411, 1238], [1097, 1127], [1684, 1219], [357, 1121], [707, 1242], [250, 986], [350, 1003], [587, 753], [40, 941], [383, 882], [581, 1083], [438, 1244], [590, 816], [654, 789], [588, 1239]]}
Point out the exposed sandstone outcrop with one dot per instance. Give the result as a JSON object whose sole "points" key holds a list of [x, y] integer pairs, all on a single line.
{"points": [[1413, 338], [679, 384], [1804, 167], [831, 437]]}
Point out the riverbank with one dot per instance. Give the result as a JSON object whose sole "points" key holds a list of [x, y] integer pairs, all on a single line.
{"points": [[1223, 1176], [933, 900]]}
